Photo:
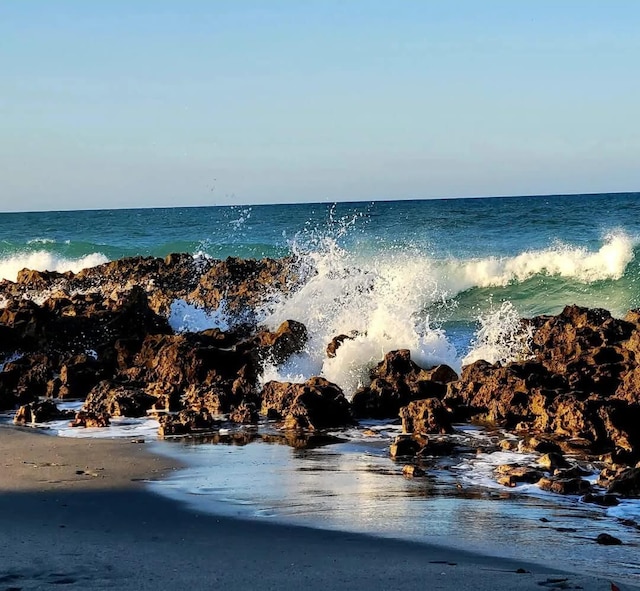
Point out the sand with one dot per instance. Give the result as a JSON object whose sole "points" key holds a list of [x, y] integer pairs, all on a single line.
{"points": [[76, 514]]}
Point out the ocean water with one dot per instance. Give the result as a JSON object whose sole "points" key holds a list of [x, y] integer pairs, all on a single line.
{"points": [[447, 279]]}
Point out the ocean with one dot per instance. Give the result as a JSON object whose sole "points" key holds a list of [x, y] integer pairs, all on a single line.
{"points": [[447, 279]]}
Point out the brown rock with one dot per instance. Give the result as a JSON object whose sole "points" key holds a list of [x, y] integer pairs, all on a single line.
{"points": [[426, 416], [396, 382], [315, 404], [564, 486]]}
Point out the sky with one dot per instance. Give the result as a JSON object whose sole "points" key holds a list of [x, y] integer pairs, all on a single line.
{"points": [[136, 103]]}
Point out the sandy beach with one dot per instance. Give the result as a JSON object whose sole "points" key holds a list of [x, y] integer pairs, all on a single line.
{"points": [[76, 514]]}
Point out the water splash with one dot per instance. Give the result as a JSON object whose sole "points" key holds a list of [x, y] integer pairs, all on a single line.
{"points": [[501, 338]]}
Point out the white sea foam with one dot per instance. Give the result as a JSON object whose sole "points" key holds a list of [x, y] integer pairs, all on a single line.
{"points": [[501, 337], [609, 262], [46, 261], [185, 317], [384, 299]]}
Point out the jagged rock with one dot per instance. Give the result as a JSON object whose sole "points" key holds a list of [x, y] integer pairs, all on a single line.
{"points": [[606, 500], [553, 461], [39, 412], [426, 416], [290, 338], [626, 484], [411, 471], [315, 404], [336, 343], [580, 384], [243, 283], [79, 375], [90, 419], [245, 413], [192, 368], [564, 486], [512, 474], [185, 422], [404, 445], [117, 400], [24, 380], [397, 381]]}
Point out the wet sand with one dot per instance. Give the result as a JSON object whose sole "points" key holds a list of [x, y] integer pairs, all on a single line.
{"points": [[76, 514]]}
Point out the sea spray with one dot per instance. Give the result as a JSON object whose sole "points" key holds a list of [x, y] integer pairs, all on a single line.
{"points": [[42, 260], [501, 337]]}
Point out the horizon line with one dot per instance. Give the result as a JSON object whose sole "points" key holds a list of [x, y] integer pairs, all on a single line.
{"points": [[325, 202]]}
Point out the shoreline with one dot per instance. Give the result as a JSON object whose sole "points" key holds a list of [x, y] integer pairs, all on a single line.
{"points": [[111, 531]]}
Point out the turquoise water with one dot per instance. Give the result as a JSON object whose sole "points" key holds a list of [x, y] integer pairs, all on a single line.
{"points": [[449, 262]]}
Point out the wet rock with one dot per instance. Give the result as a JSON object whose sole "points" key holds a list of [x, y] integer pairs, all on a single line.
{"points": [[404, 446], [411, 471], [315, 404], [24, 380], [426, 416], [396, 382], [608, 540], [243, 283], [432, 446], [290, 338], [513, 474], [90, 419], [605, 500], [39, 412], [245, 413], [579, 384], [564, 486], [186, 422], [626, 484], [553, 461], [190, 371], [336, 343], [78, 376], [117, 400]]}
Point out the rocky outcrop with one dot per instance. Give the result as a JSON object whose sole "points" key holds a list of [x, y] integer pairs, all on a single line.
{"points": [[426, 416], [579, 383], [40, 412], [397, 381], [315, 404], [117, 400]]}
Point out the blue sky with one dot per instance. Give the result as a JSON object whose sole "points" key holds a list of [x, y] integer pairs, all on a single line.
{"points": [[158, 103]]}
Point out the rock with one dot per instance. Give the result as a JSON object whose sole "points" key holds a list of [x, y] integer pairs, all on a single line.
{"points": [[608, 540], [580, 384], [411, 471], [185, 422], [513, 474], [435, 447], [404, 446], [336, 343], [315, 404], [606, 500], [626, 484], [246, 413], [39, 412], [24, 380], [243, 283], [426, 416], [553, 461], [290, 338], [79, 375], [90, 419], [396, 382], [117, 400], [565, 486]]}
